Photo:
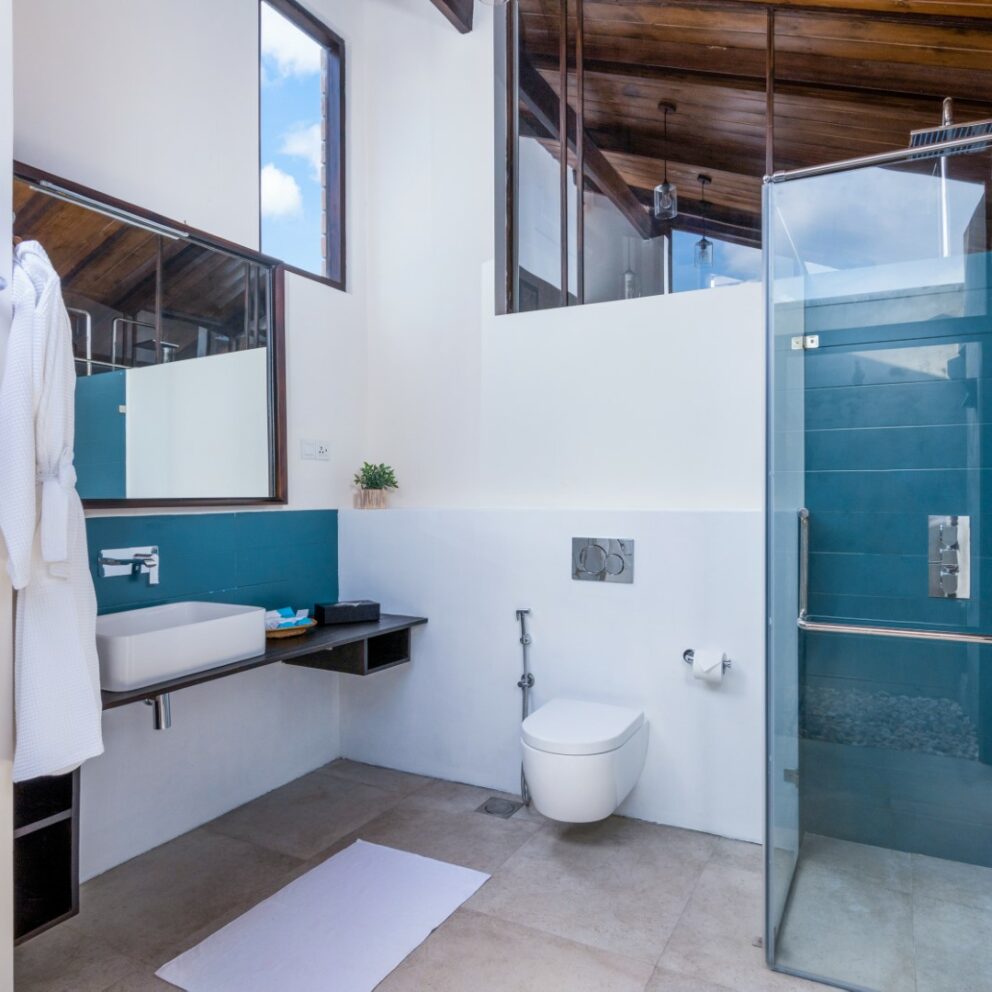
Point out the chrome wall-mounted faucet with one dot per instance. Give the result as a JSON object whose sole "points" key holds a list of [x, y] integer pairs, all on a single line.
{"points": [[130, 561]]}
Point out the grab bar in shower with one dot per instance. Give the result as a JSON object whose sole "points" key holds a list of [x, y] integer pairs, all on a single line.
{"points": [[910, 633], [817, 627]]}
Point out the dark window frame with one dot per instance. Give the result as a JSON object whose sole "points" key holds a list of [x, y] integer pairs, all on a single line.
{"points": [[335, 124]]}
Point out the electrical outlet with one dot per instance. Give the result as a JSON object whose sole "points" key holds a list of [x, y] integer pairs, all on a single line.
{"points": [[308, 449], [323, 452]]}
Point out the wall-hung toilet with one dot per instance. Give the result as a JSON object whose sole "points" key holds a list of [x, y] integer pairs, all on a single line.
{"points": [[582, 759]]}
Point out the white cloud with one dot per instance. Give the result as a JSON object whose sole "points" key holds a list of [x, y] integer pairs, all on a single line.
{"points": [[304, 141], [281, 196], [294, 52]]}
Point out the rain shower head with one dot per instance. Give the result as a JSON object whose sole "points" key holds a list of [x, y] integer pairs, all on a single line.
{"points": [[949, 131]]}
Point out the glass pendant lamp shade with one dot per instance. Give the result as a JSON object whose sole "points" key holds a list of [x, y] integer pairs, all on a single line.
{"points": [[666, 196], [703, 255], [666, 201]]}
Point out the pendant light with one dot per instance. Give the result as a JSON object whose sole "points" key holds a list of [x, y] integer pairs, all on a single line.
{"points": [[631, 281], [703, 255], [666, 196]]}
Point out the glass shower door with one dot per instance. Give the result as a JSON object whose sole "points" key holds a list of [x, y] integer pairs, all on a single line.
{"points": [[879, 663]]}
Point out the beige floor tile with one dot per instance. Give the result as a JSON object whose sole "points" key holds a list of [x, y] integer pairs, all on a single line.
{"points": [[669, 981], [456, 797], [893, 869], [849, 929], [476, 952], [387, 779], [472, 840], [619, 885], [739, 854], [953, 881], [65, 959], [306, 816], [149, 907], [953, 947], [143, 980], [715, 938]]}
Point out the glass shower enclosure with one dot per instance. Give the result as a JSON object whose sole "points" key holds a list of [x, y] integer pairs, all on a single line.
{"points": [[879, 789]]}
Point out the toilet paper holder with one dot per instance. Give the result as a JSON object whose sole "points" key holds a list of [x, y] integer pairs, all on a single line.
{"points": [[689, 655]]}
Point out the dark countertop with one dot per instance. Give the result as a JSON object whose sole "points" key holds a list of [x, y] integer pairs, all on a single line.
{"points": [[277, 649]]}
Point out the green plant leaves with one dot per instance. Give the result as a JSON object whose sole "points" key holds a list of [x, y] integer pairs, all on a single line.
{"points": [[376, 477]]}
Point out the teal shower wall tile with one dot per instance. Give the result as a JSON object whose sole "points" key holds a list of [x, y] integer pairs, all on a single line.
{"points": [[871, 449], [914, 490], [266, 558], [908, 611], [860, 532], [898, 404]]}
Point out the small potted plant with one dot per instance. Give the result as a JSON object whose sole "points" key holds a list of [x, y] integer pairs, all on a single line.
{"points": [[374, 482]]}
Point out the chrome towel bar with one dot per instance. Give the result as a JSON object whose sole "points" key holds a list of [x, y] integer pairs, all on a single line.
{"points": [[912, 633]]}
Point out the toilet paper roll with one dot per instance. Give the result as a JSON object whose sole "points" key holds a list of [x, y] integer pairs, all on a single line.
{"points": [[708, 666]]}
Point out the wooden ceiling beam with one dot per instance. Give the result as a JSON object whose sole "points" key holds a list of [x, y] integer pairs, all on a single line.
{"points": [[459, 12], [941, 13], [705, 155], [542, 101]]}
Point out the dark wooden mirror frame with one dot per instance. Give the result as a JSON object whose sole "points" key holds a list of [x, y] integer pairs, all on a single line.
{"points": [[278, 466]]}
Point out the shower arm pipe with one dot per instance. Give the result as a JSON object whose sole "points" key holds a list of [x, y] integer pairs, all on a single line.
{"points": [[881, 158]]}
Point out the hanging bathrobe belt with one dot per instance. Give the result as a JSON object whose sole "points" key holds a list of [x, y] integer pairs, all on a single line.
{"points": [[57, 483]]}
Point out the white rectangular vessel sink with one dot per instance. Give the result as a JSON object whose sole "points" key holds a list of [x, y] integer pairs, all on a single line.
{"points": [[157, 643]]}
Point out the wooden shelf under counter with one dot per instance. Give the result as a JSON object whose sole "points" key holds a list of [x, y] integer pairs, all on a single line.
{"points": [[353, 648]]}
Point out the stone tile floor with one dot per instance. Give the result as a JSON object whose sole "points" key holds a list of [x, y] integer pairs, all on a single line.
{"points": [[881, 919], [618, 906]]}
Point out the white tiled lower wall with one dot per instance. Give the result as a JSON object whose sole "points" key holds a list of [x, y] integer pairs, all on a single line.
{"points": [[454, 712]]}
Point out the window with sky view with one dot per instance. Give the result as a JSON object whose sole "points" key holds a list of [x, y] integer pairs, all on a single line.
{"points": [[293, 168]]}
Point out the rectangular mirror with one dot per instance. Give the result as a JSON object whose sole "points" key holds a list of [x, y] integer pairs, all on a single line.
{"points": [[178, 348]]}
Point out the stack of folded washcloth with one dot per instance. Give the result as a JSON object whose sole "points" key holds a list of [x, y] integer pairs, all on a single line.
{"points": [[286, 617]]}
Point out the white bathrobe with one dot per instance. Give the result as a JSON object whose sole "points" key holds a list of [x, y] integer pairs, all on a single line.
{"points": [[56, 671]]}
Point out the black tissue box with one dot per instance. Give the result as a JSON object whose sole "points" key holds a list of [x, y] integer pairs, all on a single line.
{"points": [[354, 611]]}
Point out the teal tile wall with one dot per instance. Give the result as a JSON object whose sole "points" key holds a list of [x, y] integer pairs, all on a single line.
{"points": [[270, 559], [101, 454], [897, 735]]}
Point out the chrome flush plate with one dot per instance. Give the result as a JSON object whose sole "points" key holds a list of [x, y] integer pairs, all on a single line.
{"points": [[602, 559]]}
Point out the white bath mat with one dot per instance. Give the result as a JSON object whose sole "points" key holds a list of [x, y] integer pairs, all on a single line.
{"points": [[341, 927]]}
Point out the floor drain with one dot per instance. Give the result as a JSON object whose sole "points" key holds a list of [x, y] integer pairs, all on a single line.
{"points": [[504, 808]]}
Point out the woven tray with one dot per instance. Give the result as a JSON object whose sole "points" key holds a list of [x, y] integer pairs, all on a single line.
{"points": [[292, 631]]}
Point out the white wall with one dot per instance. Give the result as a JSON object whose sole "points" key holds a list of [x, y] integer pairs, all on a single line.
{"points": [[199, 427], [649, 403], [156, 103], [623, 420], [454, 712], [6, 600]]}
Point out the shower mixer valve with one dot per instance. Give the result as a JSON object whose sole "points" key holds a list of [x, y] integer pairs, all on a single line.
{"points": [[949, 557]]}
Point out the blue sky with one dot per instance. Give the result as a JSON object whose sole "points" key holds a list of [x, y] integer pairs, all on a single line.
{"points": [[291, 116], [731, 263]]}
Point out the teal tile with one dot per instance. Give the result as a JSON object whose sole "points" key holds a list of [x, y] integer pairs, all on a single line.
{"points": [[274, 558]]}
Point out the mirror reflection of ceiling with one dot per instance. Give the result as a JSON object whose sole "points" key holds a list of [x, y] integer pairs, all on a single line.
{"points": [[846, 84], [110, 263]]}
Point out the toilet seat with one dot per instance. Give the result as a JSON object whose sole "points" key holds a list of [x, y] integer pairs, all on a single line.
{"points": [[570, 726]]}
